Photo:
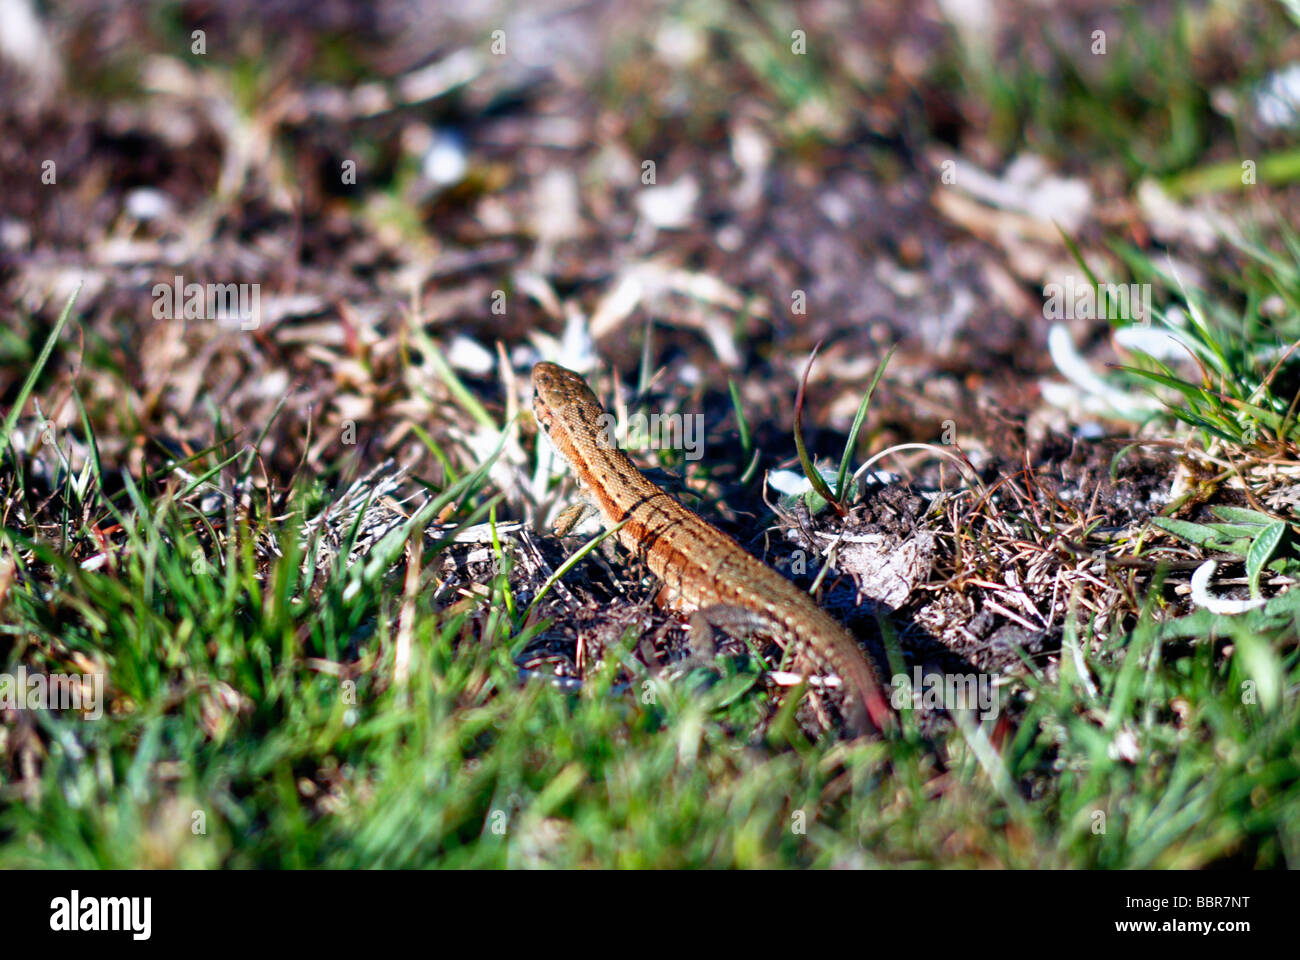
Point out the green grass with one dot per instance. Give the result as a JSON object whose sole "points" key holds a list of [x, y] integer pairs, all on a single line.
{"points": [[462, 767], [1236, 381], [1130, 89]]}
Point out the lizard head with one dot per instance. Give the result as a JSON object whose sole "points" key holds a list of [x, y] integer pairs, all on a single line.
{"points": [[562, 395]]}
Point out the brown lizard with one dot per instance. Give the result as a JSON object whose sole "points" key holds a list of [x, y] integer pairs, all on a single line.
{"points": [[701, 565]]}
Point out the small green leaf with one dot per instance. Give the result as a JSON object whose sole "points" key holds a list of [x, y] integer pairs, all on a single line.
{"points": [[1260, 551], [857, 426], [1196, 533], [805, 461], [1242, 515], [731, 688], [742, 424]]}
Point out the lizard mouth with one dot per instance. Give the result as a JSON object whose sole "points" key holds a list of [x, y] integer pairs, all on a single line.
{"points": [[542, 416]]}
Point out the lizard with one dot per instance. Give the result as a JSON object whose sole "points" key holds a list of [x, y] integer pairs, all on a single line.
{"points": [[702, 566]]}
